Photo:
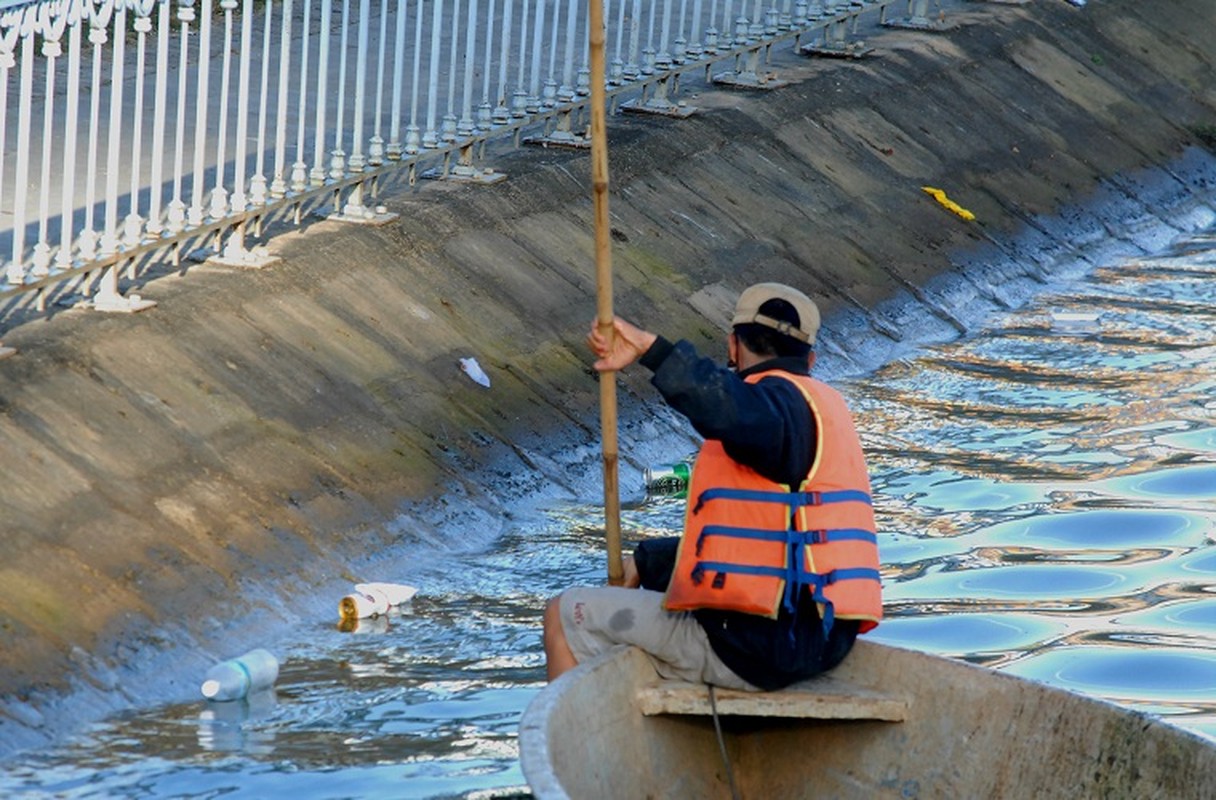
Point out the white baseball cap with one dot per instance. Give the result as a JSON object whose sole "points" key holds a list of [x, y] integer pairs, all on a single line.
{"points": [[747, 310]]}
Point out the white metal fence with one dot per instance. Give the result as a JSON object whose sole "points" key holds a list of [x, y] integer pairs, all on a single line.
{"points": [[140, 132]]}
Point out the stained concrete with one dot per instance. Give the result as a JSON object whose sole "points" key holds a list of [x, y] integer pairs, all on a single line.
{"points": [[182, 480]]}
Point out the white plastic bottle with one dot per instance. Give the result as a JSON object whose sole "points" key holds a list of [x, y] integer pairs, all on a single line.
{"points": [[373, 600], [238, 677], [394, 594]]}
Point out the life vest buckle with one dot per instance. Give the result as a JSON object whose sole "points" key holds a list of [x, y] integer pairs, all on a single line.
{"points": [[817, 537]]}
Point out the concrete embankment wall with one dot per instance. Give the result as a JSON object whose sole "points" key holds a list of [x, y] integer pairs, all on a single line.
{"points": [[236, 453]]}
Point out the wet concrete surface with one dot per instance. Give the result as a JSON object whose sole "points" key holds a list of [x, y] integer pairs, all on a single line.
{"points": [[182, 482]]}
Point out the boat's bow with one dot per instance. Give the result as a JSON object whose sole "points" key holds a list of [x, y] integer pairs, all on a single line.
{"points": [[888, 722]]}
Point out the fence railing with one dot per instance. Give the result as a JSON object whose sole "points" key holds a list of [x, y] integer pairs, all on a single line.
{"points": [[136, 133]]}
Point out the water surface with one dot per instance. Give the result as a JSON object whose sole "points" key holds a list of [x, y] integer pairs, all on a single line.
{"points": [[1046, 493]]}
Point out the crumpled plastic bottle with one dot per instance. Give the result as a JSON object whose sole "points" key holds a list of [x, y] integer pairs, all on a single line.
{"points": [[374, 599]]}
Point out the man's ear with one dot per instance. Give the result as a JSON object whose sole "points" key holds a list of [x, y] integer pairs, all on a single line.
{"points": [[810, 360], [732, 349]]}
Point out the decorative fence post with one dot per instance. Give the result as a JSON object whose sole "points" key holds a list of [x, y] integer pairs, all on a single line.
{"points": [[107, 169]]}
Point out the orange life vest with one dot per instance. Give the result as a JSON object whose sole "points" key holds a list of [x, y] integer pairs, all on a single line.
{"points": [[750, 544]]}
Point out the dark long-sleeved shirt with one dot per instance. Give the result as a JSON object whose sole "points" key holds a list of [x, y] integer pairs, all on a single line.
{"points": [[767, 426]]}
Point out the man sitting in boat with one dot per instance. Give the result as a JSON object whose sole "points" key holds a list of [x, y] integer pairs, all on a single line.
{"points": [[777, 570]]}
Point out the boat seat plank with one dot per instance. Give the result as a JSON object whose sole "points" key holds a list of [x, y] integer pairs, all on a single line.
{"points": [[821, 698]]}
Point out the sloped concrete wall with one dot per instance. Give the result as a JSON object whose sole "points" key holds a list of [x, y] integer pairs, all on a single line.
{"points": [[237, 451]]}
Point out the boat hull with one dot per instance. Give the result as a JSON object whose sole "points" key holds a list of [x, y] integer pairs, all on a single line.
{"points": [[968, 732]]}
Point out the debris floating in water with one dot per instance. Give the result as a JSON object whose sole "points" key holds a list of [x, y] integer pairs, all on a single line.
{"points": [[474, 371], [667, 479], [239, 677], [1075, 321], [374, 600]]}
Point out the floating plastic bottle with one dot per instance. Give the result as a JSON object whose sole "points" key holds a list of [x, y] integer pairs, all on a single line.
{"points": [[374, 599], [668, 479], [1075, 321], [241, 676]]}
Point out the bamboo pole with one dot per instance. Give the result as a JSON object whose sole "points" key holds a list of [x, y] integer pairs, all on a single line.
{"points": [[603, 286]]}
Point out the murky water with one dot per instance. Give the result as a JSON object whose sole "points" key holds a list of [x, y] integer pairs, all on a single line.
{"points": [[1047, 494]]}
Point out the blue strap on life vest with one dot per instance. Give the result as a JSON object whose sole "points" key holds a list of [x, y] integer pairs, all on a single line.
{"points": [[800, 575], [795, 579], [794, 500], [829, 614], [841, 496], [829, 608], [821, 536], [794, 576]]}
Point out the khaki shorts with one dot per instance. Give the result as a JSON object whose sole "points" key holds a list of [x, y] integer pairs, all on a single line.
{"points": [[596, 618]]}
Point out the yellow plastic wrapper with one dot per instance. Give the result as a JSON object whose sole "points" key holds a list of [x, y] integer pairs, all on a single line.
{"points": [[940, 197]]}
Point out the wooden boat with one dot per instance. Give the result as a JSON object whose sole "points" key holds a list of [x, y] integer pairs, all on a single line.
{"points": [[888, 722]]}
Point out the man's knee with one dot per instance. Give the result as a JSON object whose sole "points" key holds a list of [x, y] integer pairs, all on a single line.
{"points": [[553, 617], [558, 656]]}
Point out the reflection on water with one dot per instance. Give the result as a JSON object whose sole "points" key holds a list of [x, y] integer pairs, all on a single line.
{"points": [[1047, 502], [1049, 491]]}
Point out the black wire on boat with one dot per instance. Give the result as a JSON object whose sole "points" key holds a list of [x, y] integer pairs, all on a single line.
{"points": [[730, 773]]}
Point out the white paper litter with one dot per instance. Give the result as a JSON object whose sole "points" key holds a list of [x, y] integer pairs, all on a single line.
{"points": [[474, 371]]}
